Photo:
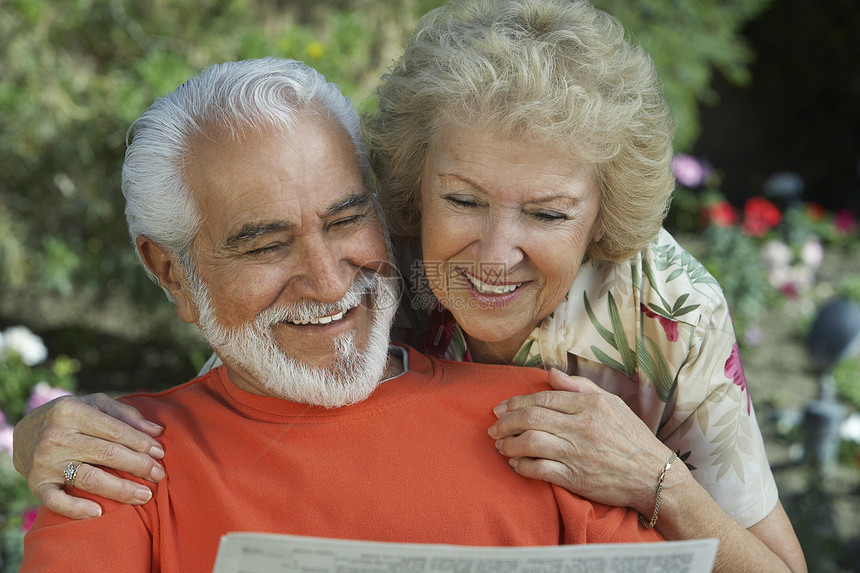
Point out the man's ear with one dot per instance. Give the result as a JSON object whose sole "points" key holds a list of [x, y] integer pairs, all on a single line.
{"points": [[170, 276]]}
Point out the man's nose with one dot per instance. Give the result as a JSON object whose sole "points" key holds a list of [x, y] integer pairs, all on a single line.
{"points": [[325, 274]]}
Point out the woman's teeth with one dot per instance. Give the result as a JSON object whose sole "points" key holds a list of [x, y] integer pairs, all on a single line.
{"points": [[487, 288], [319, 320]]}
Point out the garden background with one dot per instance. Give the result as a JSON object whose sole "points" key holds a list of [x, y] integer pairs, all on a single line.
{"points": [[765, 94]]}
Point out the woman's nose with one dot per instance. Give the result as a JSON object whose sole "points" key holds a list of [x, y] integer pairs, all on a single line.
{"points": [[499, 249]]}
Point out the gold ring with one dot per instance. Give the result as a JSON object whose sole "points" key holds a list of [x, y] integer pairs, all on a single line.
{"points": [[71, 472]]}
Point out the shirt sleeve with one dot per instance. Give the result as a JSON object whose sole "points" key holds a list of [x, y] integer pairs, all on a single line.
{"points": [[118, 540], [590, 522]]}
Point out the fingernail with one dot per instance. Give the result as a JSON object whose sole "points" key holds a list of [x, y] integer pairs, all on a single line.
{"points": [[156, 452], [157, 473], [142, 494], [492, 432], [514, 463], [501, 408], [155, 426], [499, 445], [93, 511]]}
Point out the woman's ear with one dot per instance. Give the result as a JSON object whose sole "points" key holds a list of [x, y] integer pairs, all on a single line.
{"points": [[170, 276], [597, 232]]}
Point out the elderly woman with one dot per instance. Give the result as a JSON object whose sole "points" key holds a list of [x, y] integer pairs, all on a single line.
{"points": [[523, 152], [523, 148]]}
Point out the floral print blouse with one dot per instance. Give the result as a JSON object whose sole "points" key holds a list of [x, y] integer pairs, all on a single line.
{"points": [[656, 331]]}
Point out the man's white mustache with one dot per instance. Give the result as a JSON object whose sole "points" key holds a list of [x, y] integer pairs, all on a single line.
{"points": [[308, 310]]}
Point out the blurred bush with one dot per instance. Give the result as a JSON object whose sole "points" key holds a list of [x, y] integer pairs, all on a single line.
{"points": [[689, 41], [72, 79], [73, 76]]}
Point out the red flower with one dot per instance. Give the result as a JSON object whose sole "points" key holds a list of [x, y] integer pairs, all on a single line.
{"points": [[720, 213], [760, 216], [815, 212], [669, 326], [734, 370]]}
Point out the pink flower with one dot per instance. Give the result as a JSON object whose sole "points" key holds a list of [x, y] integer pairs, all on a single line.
{"points": [[735, 371], [760, 216], [689, 171], [669, 326], [753, 335], [44, 393], [791, 290], [28, 516], [845, 221]]}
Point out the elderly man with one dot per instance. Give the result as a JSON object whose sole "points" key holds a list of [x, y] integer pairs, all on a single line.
{"points": [[247, 199]]}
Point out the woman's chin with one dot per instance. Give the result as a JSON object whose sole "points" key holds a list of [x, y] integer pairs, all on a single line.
{"points": [[500, 331]]}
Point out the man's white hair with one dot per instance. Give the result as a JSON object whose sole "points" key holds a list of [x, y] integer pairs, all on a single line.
{"points": [[268, 94]]}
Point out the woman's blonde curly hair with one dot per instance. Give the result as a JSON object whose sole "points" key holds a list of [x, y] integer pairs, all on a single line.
{"points": [[559, 71]]}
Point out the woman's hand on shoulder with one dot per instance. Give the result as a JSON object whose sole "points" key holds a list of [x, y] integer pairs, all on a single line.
{"points": [[583, 439], [95, 430]]}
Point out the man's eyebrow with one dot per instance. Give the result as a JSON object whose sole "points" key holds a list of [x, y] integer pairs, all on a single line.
{"points": [[250, 231], [353, 201]]}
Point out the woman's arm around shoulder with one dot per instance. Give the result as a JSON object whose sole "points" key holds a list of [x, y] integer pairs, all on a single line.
{"points": [[588, 441], [95, 430]]}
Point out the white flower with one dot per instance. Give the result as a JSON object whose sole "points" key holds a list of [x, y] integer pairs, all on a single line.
{"points": [[849, 429], [779, 277], [776, 254], [5, 435], [27, 345], [812, 253]]}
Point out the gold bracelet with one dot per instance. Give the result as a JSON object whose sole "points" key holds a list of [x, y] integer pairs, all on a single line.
{"points": [[653, 522]]}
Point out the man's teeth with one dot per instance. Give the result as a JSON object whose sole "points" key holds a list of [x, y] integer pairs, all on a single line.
{"points": [[320, 320], [487, 288]]}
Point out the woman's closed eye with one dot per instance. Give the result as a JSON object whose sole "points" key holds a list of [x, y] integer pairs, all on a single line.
{"points": [[548, 216], [461, 201]]}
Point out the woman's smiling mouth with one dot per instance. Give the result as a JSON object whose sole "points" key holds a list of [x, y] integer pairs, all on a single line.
{"points": [[490, 289]]}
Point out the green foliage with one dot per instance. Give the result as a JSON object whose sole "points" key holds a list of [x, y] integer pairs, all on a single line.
{"points": [[71, 82], [689, 40], [849, 287], [15, 500], [19, 380], [735, 261], [73, 79], [847, 376], [813, 517], [26, 381]]}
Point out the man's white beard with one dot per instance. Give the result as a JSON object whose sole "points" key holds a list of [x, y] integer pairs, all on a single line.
{"points": [[351, 376]]}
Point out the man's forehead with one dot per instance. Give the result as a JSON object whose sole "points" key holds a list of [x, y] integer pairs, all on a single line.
{"points": [[257, 182], [315, 154]]}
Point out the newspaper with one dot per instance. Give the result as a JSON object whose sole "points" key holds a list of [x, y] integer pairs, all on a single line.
{"points": [[268, 553]]}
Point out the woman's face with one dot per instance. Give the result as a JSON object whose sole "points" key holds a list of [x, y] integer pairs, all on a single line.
{"points": [[505, 226]]}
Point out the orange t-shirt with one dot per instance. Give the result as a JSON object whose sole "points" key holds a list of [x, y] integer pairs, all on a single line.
{"points": [[412, 463]]}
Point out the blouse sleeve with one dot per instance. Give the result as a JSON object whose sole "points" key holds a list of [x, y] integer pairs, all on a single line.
{"points": [[711, 423]]}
